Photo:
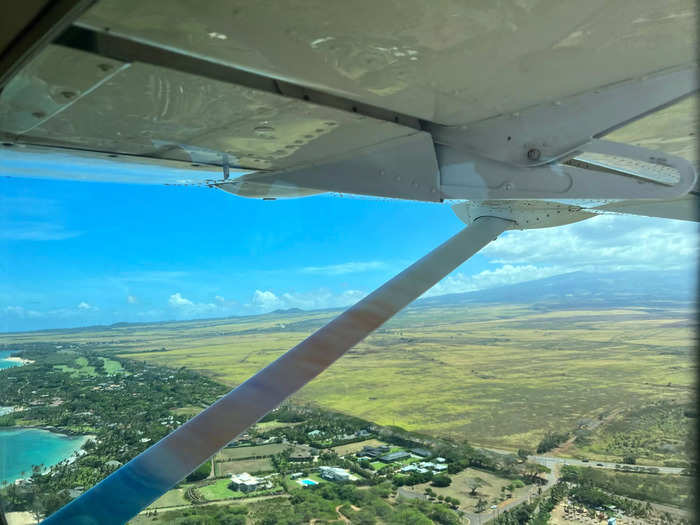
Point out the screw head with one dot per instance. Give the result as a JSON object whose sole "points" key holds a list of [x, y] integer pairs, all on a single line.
{"points": [[534, 154]]}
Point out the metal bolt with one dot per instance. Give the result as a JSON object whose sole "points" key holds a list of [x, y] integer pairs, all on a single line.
{"points": [[508, 186], [534, 154]]}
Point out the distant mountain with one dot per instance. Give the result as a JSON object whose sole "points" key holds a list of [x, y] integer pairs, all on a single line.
{"points": [[577, 289], [287, 311]]}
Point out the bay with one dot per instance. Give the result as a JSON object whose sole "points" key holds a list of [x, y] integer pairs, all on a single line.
{"points": [[20, 448], [4, 363]]}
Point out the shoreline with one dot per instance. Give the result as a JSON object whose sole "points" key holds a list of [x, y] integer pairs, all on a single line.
{"points": [[20, 360], [63, 433]]}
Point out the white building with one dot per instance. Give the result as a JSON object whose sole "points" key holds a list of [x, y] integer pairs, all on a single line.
{"points": [[334, 474], [245, 482]]}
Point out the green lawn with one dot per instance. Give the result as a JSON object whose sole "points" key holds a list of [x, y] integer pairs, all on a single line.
{"points": [[219, 490], [243, 465], [80, 367], [170, 499], [230, 453], [111, 366]]}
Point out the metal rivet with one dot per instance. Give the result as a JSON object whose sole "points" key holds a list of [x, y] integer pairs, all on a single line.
{"points": [[534, 154]]}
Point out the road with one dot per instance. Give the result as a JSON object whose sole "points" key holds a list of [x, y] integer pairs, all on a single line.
{"points": [[548, 461], [483, 517], [554, 464]]}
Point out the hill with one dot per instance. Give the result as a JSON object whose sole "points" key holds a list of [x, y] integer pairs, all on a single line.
{"points": [[584, 289]]}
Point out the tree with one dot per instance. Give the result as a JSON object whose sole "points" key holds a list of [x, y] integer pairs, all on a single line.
{"points": [[480, 505], [475, 484], [441, 481], [523, 453], [629, 459]]}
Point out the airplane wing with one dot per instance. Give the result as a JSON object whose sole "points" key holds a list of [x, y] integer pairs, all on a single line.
{"points": [[522, 114]]}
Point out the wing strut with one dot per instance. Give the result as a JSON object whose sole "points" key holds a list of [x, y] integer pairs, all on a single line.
{"points": [[127, 491]]}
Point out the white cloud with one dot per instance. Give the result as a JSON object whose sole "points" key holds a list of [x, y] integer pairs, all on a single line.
{"points": [[266, 301], [131, 299], [187, 309], [219, 299], [86, 306], [20, 311], [344, 268], [503, 275], [604, 243], [178, 300]]}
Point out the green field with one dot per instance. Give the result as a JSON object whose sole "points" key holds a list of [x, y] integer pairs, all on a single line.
{"points": [[260, 451], [171, 498], [498, 375], [656, 434], [219, 490], [251, 466]]}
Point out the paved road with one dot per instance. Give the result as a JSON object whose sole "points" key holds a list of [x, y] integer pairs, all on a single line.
{"points": [[550, 460]]}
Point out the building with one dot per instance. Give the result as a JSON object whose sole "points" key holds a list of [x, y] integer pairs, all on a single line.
{"points": [[296, 475], [394, 456], [440, 468], [440, 460], [314, 433], [373, 452], [334, 473], [244, 482], [422, 452]]}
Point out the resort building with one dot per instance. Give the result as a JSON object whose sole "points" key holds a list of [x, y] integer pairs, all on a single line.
{"points": [[394, 456], [245, 482], [334, 474]]}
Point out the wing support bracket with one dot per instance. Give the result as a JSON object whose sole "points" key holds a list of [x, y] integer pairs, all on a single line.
{"points": [[597, 170]]}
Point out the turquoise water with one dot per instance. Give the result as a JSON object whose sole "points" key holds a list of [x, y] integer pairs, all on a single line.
{"points": [[308, 482], [4, 354], [20, 448]]}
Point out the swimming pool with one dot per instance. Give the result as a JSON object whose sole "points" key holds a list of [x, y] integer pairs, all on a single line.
{"points": [[308, 482]]}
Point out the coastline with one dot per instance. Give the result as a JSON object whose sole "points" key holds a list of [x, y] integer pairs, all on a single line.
{"points": [[20, 360], [79, 451]]}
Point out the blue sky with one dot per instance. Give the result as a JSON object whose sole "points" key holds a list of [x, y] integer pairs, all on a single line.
{"points": [[77, 253]]}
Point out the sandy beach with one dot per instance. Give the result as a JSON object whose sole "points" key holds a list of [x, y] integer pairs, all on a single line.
{"points": [[20, 360]]}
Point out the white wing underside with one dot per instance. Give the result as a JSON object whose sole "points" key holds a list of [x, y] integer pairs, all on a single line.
{"points": [[364, 97]]}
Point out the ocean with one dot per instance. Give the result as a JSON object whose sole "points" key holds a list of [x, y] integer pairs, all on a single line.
{"points": [[4, 354], [20, 448]]}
